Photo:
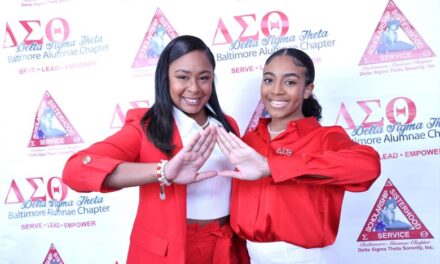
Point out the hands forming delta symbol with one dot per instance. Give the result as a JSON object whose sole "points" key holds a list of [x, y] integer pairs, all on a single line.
{"points": [[184, 167]]}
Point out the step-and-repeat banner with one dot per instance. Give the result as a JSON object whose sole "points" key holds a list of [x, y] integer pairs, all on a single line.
{"points": [[70, 69]]}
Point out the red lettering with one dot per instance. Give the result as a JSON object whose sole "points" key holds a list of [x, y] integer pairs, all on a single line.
{"points": [[118, 118], [368, 111], [225, 33], [27, 25], [274, 23], [268, 31], [344, 113], [389, 156], [56, 30], [56, 186], [244, 25], [18, 195], [242, 69], [33, 183], [31, 226], [401, 106], [11, 36], [118, 113], [56, 190]]}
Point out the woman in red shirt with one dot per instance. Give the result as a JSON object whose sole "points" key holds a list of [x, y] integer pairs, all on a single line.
{"points": [[180, 218], [291, 172]]}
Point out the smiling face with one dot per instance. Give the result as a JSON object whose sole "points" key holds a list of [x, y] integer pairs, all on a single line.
{"points": [[283, 90], [191, 77]]}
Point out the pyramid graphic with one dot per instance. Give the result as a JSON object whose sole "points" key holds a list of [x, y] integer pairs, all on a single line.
{"points": [[395, 39], [53, 257], [51, 126], [159, 33], [392, 219]]}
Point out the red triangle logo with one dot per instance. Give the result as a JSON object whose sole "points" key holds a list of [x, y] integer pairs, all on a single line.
{"points": [[51, 126], [395, 39], [393, 219], [157, 37], [53, 257]]}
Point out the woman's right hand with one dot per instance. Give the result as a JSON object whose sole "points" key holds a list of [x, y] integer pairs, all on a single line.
{"points": [[184, 167], [250, 165]]}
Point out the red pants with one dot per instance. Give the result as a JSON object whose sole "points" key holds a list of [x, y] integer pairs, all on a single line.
{"points": [[213, 244]]}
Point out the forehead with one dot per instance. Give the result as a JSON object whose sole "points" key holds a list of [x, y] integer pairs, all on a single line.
{"points": [[194, 61], [283, 65]]}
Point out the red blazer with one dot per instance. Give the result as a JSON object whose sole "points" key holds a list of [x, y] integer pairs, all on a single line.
{"points": [[159, 230], [290, 206]]}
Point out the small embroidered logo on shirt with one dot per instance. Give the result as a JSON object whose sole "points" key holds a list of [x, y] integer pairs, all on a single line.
{"points": [[284, 151]]}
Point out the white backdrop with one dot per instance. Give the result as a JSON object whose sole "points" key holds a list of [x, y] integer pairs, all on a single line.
{"points": [[71, 69]]}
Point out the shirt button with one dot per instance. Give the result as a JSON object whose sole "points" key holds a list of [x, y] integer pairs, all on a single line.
{"points": [[86, 160]]}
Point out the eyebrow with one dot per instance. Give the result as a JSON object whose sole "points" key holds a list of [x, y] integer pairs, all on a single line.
{"points": [[187, 72], [290, 74]]}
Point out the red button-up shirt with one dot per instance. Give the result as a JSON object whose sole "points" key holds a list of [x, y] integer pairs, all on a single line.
{"points": [[291, 205]]}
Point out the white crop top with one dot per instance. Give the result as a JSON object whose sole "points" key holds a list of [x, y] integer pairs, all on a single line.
{"points": [[207, 199]]}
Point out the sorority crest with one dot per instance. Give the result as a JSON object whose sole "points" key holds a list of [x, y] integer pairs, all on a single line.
{"points": [[53, 257], [392, 218], [159, 33], [51, 126], [395, 39]]}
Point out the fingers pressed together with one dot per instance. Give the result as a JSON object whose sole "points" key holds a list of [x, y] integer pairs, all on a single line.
{"points": [[238, 152], [205, 141]]}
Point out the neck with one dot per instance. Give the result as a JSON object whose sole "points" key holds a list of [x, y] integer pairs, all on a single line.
{"points": [[274, 132], [276, 124], [206, 124], [200, 117]]}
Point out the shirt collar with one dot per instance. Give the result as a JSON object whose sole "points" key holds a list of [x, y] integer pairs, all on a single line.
{"points": [[186, 124]]}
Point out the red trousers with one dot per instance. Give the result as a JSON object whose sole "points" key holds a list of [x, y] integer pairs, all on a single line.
{"points": [[214, 244]]}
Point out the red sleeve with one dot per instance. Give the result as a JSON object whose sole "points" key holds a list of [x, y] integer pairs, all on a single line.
{"points": [[86, 170], [234, 125], [338, 159]]}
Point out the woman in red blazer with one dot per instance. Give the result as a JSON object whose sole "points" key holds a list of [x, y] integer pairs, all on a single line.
{"points": [[287, 198], [161, 150]]}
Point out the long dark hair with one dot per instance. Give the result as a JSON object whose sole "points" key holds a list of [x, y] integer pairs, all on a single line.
{"points": [[311, 106], [158, 121]]}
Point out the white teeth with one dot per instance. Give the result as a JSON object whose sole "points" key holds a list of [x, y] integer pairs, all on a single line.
{"points": [[278, 103], [191, 101]]}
